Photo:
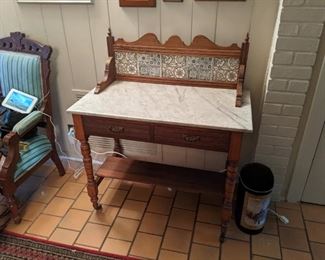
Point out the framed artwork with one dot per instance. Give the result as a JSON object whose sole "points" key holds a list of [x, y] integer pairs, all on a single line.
{"points": [[57, 1], [138, 3]]}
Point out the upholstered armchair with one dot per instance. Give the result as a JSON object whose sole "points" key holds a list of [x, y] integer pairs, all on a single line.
{"points": [[25, 65]]}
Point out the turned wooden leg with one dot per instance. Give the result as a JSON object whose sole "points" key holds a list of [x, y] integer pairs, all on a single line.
{"points": [[9, 193], [92, 187], [118, 147], [231, 177]]}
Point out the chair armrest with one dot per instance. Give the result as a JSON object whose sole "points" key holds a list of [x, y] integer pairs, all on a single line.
{"points": [[11, 140], [27, 123]]}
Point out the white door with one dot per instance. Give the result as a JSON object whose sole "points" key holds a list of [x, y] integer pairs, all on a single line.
{"points": [[315, 186]]}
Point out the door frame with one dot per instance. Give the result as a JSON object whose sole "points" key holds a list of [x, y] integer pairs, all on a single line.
{"points": [[310, 139]]}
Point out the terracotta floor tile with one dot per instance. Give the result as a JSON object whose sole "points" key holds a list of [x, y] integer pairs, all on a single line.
{"points": [[211, 198], [164, 191], [266, 245], [124, 229], [177, 240], [234, 232], [120, 184], [132, 209], [288, 254], [294, 216], [199, 252], [113, 197], [82, 179], [70, 190], [181, 218], [58, 206], [64, 236], [75, 219], [32, 210], [105, 216], [313, 212], [140, 245], [318, 250], [44, 194], [83, 202], [209, 214], [104, 185], [44, 225], [20, 228], [316, 231], [55, 180], [160, 205], [115, 246], [271, 226], [93, 235], [140, 191], [206, 234], [153, 223], [170, 255], [236, 250], [293, 238], [287, 205], [186, 200]]}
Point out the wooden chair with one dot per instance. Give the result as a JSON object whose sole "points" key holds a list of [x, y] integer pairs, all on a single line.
{"points": [[25, 65]]}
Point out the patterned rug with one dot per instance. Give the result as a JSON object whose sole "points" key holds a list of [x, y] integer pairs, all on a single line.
{"points": [[15, 246]]}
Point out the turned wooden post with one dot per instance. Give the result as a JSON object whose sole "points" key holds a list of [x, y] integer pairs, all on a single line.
{"points": [[232, 164], [81, 135]]}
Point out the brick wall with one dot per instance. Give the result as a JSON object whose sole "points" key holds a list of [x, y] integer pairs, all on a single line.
{"points": [[301, 24]]}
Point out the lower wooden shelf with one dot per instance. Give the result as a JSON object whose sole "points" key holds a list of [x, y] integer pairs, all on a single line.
{"points": [[170, 176]]}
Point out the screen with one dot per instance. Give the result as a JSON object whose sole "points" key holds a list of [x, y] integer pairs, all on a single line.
{"points": [[20, 101]]}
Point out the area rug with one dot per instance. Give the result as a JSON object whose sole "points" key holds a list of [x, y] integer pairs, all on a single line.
{"points": [[15, 246]]}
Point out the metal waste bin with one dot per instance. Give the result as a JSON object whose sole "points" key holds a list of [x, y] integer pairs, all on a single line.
{"points": [[255, 186]]}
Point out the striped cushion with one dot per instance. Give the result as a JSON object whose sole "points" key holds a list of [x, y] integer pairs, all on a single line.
{"points": [[20, 71], [38, 147]]}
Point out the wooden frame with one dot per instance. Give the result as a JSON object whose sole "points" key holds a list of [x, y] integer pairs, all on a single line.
{"points": [[17, 42], [200, 46], [137, 3]]}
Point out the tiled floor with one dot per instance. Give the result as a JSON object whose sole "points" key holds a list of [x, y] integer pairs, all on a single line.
{"points": [[159, 223]]}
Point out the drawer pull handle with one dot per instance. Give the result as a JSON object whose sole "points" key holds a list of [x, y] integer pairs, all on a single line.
{"points": [[116, 129], [191, 138]]}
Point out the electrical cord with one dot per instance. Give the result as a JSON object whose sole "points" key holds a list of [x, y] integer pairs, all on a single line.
{"points": [[77, 172]]}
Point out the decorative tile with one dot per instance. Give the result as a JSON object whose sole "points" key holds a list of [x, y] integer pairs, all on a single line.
{"points": [[149, 64], [199, 68], [174, 66], [225, 69], [126, 63]]}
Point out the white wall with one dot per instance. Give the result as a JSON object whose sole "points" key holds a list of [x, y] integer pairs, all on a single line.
{"points": [[77, 34]]}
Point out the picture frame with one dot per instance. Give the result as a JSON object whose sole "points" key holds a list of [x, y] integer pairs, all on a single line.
{"points": [[55, 1], [137, 3]]}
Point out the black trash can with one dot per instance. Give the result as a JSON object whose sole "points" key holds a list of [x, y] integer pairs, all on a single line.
{"points": [[253, 197]]}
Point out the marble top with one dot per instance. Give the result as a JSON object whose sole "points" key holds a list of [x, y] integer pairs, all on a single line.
{"points": [[212, 108]]}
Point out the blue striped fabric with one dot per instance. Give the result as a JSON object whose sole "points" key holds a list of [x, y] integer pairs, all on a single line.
{"points": [[38, 147], [20, 71]]}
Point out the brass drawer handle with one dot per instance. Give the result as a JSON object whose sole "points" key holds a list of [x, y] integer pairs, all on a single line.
{"points": [[191, 138], [117, 129]]}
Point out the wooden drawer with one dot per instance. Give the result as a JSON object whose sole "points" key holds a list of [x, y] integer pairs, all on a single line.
{"points": [[115, 128], [192, 137]]}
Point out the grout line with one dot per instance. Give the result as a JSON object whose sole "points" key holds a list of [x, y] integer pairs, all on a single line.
{"points": [[141, 219], [166, 227], [117, 214], [195, 222]]}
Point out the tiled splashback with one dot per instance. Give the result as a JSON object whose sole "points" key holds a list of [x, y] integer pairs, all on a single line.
{"points": [[177, 67]]}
